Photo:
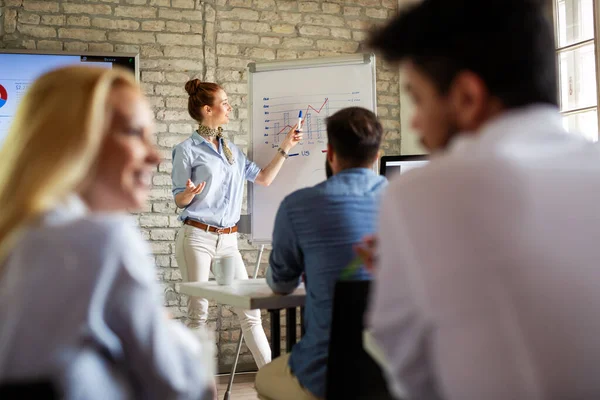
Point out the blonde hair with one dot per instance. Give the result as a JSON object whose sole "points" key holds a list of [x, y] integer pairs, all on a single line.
{"points": [[52, 144]]}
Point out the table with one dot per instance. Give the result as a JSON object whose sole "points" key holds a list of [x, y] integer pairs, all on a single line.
{"points": [[255, 294]]}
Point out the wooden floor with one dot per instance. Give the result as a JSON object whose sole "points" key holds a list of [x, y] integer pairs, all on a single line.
{"points": [[243, 386]]}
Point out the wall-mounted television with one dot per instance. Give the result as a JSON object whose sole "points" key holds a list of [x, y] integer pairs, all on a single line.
{"points": [[19, 68]]}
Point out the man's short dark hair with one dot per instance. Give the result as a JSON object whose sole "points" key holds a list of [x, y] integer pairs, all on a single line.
{"points": [[354, 134], [509, 44]]}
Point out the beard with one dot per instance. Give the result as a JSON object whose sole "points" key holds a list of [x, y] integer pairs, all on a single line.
{"points": [[328, 171], [452, 130]]}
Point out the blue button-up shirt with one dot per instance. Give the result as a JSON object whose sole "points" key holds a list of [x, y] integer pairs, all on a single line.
{"points": [[314, 232], [220, 202]]}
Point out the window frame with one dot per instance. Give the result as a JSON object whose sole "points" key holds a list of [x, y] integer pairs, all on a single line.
{"points": [[573, 46]]}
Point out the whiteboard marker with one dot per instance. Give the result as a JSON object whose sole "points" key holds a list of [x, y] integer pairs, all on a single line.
{"points": [[299, 120]]}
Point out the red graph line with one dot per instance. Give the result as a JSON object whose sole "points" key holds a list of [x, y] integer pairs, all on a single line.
{"points": [[319, 110], [284, 128], [306, 113]]}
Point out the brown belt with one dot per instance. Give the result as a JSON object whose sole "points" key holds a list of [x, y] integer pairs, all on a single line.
{"points": [[210, 228]]}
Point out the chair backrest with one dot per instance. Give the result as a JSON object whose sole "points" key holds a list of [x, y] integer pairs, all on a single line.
{"points": [[18, 390], [351, 372]]}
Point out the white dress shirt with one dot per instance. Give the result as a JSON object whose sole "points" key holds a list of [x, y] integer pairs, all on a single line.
{"points": [[489, 279], [80, 306]]}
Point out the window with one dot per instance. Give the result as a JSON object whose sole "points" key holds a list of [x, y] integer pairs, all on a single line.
{"points": [[575, 25]]}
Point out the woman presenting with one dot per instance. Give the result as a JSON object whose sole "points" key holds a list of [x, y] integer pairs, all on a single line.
{"points": [[208, 182]]}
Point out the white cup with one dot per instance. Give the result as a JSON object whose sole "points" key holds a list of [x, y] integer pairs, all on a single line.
{"points": [[224, 270]]}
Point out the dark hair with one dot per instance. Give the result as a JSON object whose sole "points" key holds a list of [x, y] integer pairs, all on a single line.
{"points": [[355, 135], [509, 44], [201, 94]]}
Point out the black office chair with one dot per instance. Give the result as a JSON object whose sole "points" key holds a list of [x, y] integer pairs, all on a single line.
{"points": [[351, 371], [20, 390]]}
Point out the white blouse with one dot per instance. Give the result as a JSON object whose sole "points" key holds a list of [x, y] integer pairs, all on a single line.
{"points": [[80, 305]]}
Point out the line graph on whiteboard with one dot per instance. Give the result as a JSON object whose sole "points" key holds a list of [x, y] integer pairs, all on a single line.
{"points": [[281, 114]]}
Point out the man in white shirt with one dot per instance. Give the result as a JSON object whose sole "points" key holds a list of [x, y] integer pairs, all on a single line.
{"points": [[487, 277]]}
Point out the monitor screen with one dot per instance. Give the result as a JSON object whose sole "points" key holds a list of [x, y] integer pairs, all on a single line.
{"points": [[18, 69], [392, 165]]}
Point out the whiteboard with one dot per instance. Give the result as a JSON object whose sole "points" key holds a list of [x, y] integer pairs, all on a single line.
{"points": [[277, 92]]}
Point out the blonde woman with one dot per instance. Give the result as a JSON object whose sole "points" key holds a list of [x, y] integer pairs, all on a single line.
{"points": [[78, 300], [208, 181]]}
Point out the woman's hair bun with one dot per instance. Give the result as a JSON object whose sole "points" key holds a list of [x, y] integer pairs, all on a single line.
{"points": [[192, 86]]}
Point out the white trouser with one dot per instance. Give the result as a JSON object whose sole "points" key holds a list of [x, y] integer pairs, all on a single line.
{"points": [[194, 251]]}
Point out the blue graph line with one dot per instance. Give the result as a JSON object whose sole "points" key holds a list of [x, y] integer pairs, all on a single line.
{"points": [[296, 110], [331, 101], [312, 95]]}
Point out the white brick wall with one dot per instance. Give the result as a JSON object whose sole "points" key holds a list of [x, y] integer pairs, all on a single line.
{"points": [[212, 40]]}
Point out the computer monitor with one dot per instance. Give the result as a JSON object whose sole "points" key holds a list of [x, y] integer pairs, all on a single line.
{"points": [[392, 165], [19, 68]]}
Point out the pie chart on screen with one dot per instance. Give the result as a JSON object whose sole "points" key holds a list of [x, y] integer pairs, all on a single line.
{"points": [[3, 96]]}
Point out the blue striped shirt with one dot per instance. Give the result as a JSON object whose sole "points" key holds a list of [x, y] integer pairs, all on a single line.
{"points": [[315, 229], [220, 203]]}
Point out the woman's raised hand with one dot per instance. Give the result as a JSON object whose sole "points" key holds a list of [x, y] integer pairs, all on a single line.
{"points": [[293, 137]]}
